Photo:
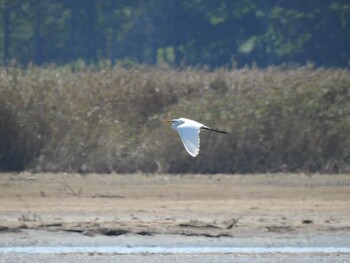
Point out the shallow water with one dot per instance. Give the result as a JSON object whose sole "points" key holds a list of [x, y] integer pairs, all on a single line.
{"points": [[173, 250]]}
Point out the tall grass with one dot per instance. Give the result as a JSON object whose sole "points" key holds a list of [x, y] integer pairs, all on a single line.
{"points": [[108, 119]]}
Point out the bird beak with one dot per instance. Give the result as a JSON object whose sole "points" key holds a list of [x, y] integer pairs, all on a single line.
{"points": [[167, 121]]}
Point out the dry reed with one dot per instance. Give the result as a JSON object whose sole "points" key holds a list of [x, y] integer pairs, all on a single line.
{"points": [[108, 119]]}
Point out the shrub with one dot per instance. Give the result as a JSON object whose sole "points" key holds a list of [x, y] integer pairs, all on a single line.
{"points": [[108, 119]]}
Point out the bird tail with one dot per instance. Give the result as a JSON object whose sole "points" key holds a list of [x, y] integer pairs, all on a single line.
{"points": [[214, 130]]}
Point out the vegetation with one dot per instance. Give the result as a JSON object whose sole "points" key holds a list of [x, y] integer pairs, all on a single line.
{"points": [[178, 32], [74, 96], [108, 119]]}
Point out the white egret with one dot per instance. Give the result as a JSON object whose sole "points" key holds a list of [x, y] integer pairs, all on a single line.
{"points": [[189, 133]]}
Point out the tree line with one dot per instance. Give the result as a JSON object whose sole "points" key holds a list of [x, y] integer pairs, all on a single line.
{"points": [[177, 32]]}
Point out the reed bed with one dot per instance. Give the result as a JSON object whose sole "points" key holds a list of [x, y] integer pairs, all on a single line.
{"points": [[107, 119]]}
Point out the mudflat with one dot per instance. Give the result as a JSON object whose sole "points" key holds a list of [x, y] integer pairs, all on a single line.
{"points": [[192, 210], [196, 204]]}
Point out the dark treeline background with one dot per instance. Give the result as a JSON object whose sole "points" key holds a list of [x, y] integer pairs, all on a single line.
{"points": [[176, 32]]}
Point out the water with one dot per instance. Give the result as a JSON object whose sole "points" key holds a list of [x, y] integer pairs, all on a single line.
{"points": [[172, 250]]}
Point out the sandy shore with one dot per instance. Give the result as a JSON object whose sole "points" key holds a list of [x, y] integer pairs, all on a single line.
{"points": [[255, 208]]}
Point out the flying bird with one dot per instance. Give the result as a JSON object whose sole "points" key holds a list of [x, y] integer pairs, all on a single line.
{"points": [[189, 133]]}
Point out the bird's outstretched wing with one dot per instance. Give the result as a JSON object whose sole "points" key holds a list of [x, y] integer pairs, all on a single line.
{"points": [[190, 139]]}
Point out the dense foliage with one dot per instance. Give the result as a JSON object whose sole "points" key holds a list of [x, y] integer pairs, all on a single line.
{"points": [[108, 119], [177, 32]]}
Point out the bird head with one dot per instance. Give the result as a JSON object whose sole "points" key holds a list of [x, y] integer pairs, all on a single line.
{"points": [[175, 122]]}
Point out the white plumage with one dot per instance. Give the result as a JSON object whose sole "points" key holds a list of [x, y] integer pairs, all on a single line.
{"points": [[189, 133]]}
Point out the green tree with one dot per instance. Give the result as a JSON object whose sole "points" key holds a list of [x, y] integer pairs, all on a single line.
{"points": [[196, 32]]}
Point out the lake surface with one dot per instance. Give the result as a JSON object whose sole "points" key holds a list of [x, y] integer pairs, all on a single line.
{"points": [[172, 250]]}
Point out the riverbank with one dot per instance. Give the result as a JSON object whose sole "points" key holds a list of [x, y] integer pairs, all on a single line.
{"points": [[226, 210]]}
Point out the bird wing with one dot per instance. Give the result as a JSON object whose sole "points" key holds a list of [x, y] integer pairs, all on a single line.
{"points": [[190, 139]]}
